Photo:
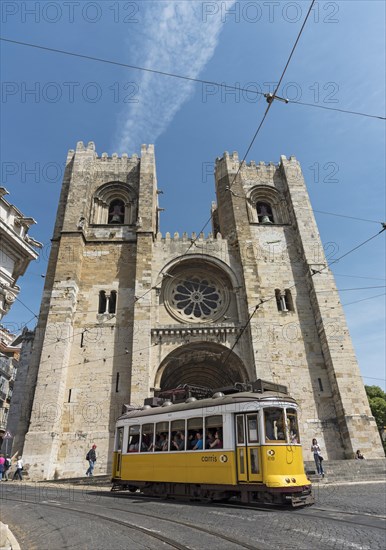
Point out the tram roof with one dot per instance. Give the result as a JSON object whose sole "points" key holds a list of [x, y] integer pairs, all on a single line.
{"points": [[210, 402]]}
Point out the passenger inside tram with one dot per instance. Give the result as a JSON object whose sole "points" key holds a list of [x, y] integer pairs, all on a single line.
{"points": [[274, 424], [134, 444], [199, 443], [217, 443]]}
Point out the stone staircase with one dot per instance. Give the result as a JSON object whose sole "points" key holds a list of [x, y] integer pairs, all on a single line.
{"points": [[348, 470], [96, 481]]}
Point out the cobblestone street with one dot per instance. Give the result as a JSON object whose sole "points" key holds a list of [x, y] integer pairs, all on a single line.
{"points": [[48, 517]]}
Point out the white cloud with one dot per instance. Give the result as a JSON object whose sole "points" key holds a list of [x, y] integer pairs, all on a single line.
{"points": [[174, 37]]}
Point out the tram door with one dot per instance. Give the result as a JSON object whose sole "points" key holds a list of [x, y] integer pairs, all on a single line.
{"points": [[247, 447], [118, 454]]}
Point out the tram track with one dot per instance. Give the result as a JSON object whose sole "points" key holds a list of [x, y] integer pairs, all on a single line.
{"points": [[307, 511], [326, 516], [149, 532]]}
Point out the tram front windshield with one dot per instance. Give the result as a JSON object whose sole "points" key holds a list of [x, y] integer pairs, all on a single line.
{"points": [[281, 426]]}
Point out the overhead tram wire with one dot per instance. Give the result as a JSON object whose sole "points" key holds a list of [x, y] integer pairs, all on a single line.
{"points": [[273, 96], [255, 134], [293, 102], [317, 272], [264, 116], [128, 66], [359, 277], [364, 299], [22, 303], [344, 216], [246, 154], [182, 77]]}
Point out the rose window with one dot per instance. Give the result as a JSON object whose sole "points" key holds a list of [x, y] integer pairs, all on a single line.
{"points": [[197, 298]]}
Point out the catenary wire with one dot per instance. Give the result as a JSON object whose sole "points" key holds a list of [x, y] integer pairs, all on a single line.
{"points": [[343, 216], [317, 272], [181, 77], [262, 301], [359, 277], [256, 132], [270, 103], [229, 87], [22, 303], [347, 289], [364, 299]]}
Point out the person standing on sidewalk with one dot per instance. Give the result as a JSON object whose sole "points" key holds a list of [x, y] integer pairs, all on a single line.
{"points": [[19, 469], [7, 466], [91, 457], [2, 466], [315, 449]]}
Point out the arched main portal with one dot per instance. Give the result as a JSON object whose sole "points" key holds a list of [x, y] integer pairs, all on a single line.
{"points": [[202, 364]]}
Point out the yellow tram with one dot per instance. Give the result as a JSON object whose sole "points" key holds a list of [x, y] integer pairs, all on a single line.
{"points": [[242, 444]]}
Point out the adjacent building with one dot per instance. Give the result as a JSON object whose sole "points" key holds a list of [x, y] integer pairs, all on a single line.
{"points": [[17, 249]]}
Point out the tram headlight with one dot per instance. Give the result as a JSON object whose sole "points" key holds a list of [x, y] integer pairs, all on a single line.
{"points": [[287, 480], [293, 480]]}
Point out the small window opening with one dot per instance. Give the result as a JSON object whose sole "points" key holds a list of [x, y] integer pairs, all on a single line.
{"points": [[116, 212], [117, 383], [320, 384], [284, 300], [264, 212], [102, 302], [113, 301], [69, 396], [81, 339]]}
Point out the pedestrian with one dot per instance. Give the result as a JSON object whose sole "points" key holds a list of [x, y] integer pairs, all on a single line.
{"points": [[359, 455], [7, 465], [19, 469], [91, 456], [315, 449], [2, 467]]}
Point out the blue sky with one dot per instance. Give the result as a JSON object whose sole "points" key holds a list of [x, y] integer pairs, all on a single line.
{"points": [[339, 62]]}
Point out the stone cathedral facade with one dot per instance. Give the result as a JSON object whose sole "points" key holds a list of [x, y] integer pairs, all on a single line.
{"points": [[127, 310]]}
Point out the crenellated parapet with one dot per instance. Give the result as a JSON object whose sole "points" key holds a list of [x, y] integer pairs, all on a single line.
{"points": [[104, 190], [185, 238], [255, 173], [177, 244]]}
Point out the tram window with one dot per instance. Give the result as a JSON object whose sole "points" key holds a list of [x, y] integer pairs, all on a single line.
{"points": [[213, 432], [133, 443], [147, 438], [274, 424], [177, 435], [254, 460], [240, 430], [253, 428], [119, 439], [242, 460], [292, 423], [161, 436], [195, 432]]}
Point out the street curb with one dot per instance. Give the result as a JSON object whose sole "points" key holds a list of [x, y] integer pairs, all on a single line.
{"points": [[10, 539]]}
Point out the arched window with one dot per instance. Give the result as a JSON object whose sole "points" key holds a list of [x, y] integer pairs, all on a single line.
{"points": [[107, 302], [264, 212], [116, 212], [113, 301], [284, 300], [114, 203], [102, 302]]}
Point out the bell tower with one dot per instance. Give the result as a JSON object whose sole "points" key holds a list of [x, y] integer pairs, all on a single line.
{"points": [[81, 371], [298, 335]]}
